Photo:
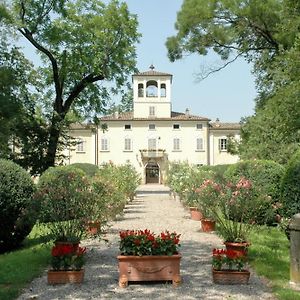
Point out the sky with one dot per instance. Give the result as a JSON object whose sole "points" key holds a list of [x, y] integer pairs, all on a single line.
{"points": [[228, 95]]}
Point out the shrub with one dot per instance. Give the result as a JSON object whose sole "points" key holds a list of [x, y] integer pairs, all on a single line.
{"points": [[264, 174], [89, 169], [17, 210], [66, 200], [290, 187]]}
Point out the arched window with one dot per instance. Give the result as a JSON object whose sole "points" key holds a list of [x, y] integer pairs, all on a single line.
{"points": [[163, 91], [141, 90], [151, 88]]}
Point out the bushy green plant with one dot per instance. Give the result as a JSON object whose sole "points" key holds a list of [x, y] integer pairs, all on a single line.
{"points": [[290, 187], [17, 210], [89, 169], [66, 199], [264, 174]]}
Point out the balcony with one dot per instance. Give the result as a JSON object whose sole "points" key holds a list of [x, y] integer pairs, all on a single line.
{"points": [[152, 153]]}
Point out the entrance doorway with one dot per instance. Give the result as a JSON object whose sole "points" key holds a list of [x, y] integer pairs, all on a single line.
{"points": [[152, 173]]}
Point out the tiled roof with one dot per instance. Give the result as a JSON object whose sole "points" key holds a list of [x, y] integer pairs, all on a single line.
{"points": [[223, 126], [152, 73], [174, 116]]}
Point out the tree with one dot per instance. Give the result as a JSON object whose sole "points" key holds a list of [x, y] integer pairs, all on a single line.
{"points": [[265, 33], [83, 44]]}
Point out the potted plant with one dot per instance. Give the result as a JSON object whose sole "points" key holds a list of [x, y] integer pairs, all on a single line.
{"points": [[207, 195], [228, 267], [235, 211], [65, 198], [146, 256], [67, 264]]}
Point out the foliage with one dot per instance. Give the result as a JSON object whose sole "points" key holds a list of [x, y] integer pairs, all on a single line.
{"points": [[263, 174], [145, 242], [226, 259], [89, 169], [67, 257], [206, 196], [236, 210], [184, 179], [82, 44], [17, 211], [64, 196], [290, 188]]}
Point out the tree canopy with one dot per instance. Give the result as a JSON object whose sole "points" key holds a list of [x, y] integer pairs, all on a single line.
{"points": [[266, 34], [85, 47]]}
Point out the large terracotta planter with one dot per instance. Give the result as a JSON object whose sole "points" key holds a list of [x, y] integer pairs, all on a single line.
{"points": [[240, 248], [196, 214], [208, 225], [230, 276], [149, 268], [60, 277]]}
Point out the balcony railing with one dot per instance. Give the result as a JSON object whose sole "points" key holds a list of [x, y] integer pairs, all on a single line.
{"points": [[150, 153]]}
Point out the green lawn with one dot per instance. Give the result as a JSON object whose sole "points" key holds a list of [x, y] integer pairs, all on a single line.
{"points": [[269, 256], [18, 268]]}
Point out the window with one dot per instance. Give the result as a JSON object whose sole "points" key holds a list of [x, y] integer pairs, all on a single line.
{"points": [[104, 144], [151, 111], [176, 126], [199, 144], [140, 90], [127, 127], [151, 89], [151, 126], [80, 145], [127, 144], [223, 144], [176, 144], [151, 144], [199, 126], [163, 90]]}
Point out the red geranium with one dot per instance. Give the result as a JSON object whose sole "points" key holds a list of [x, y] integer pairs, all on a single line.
{"points": [[230, 259], [145, 242]]}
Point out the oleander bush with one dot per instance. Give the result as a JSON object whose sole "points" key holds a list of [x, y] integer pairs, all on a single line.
{"points": [[265, 175], [66, 200], [18, 212], [290, 188]]}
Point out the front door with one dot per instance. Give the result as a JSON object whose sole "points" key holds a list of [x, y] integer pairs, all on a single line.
{"points": [[152, 173]]}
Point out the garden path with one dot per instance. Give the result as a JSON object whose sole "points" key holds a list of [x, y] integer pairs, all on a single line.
{"points": [[155, 211]]}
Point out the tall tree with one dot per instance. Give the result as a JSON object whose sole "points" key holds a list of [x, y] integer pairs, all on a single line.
{"points": [[83, 44], [265, 33]]}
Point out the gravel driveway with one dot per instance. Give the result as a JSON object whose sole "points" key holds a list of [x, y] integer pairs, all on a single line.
{"points": [[156, 212]]}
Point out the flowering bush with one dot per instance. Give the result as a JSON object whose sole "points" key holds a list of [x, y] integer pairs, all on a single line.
{"points": [[145, 242], [236, 208], [207, 195], [67, 257], [224, 259]]}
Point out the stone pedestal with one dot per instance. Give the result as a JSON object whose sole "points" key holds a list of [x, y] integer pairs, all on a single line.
{"points": [[295, 251]]}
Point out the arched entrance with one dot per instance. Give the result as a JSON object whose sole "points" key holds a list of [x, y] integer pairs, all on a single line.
{"points": [[152, 173]]}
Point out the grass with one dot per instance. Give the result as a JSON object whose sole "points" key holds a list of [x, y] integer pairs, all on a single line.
{"points": [[19, 267], [270, 257]]}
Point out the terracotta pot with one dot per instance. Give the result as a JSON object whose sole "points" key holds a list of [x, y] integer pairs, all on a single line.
{"points": [[208, 225], [149, 268], [60, 277], [240, 248], [230, 276], [196, 214], [93, 227]]}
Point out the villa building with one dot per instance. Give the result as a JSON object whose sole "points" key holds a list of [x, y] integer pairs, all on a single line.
{"points": [[152, 135]]}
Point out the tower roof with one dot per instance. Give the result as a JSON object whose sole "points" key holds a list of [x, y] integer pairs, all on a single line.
{"points": [[152, 72]]}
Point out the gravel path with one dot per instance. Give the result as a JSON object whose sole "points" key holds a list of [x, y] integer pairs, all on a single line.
{"points": [[157, 213]]}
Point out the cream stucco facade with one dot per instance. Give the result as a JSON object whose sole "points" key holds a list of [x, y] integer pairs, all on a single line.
{"points": [[153, 135]]}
